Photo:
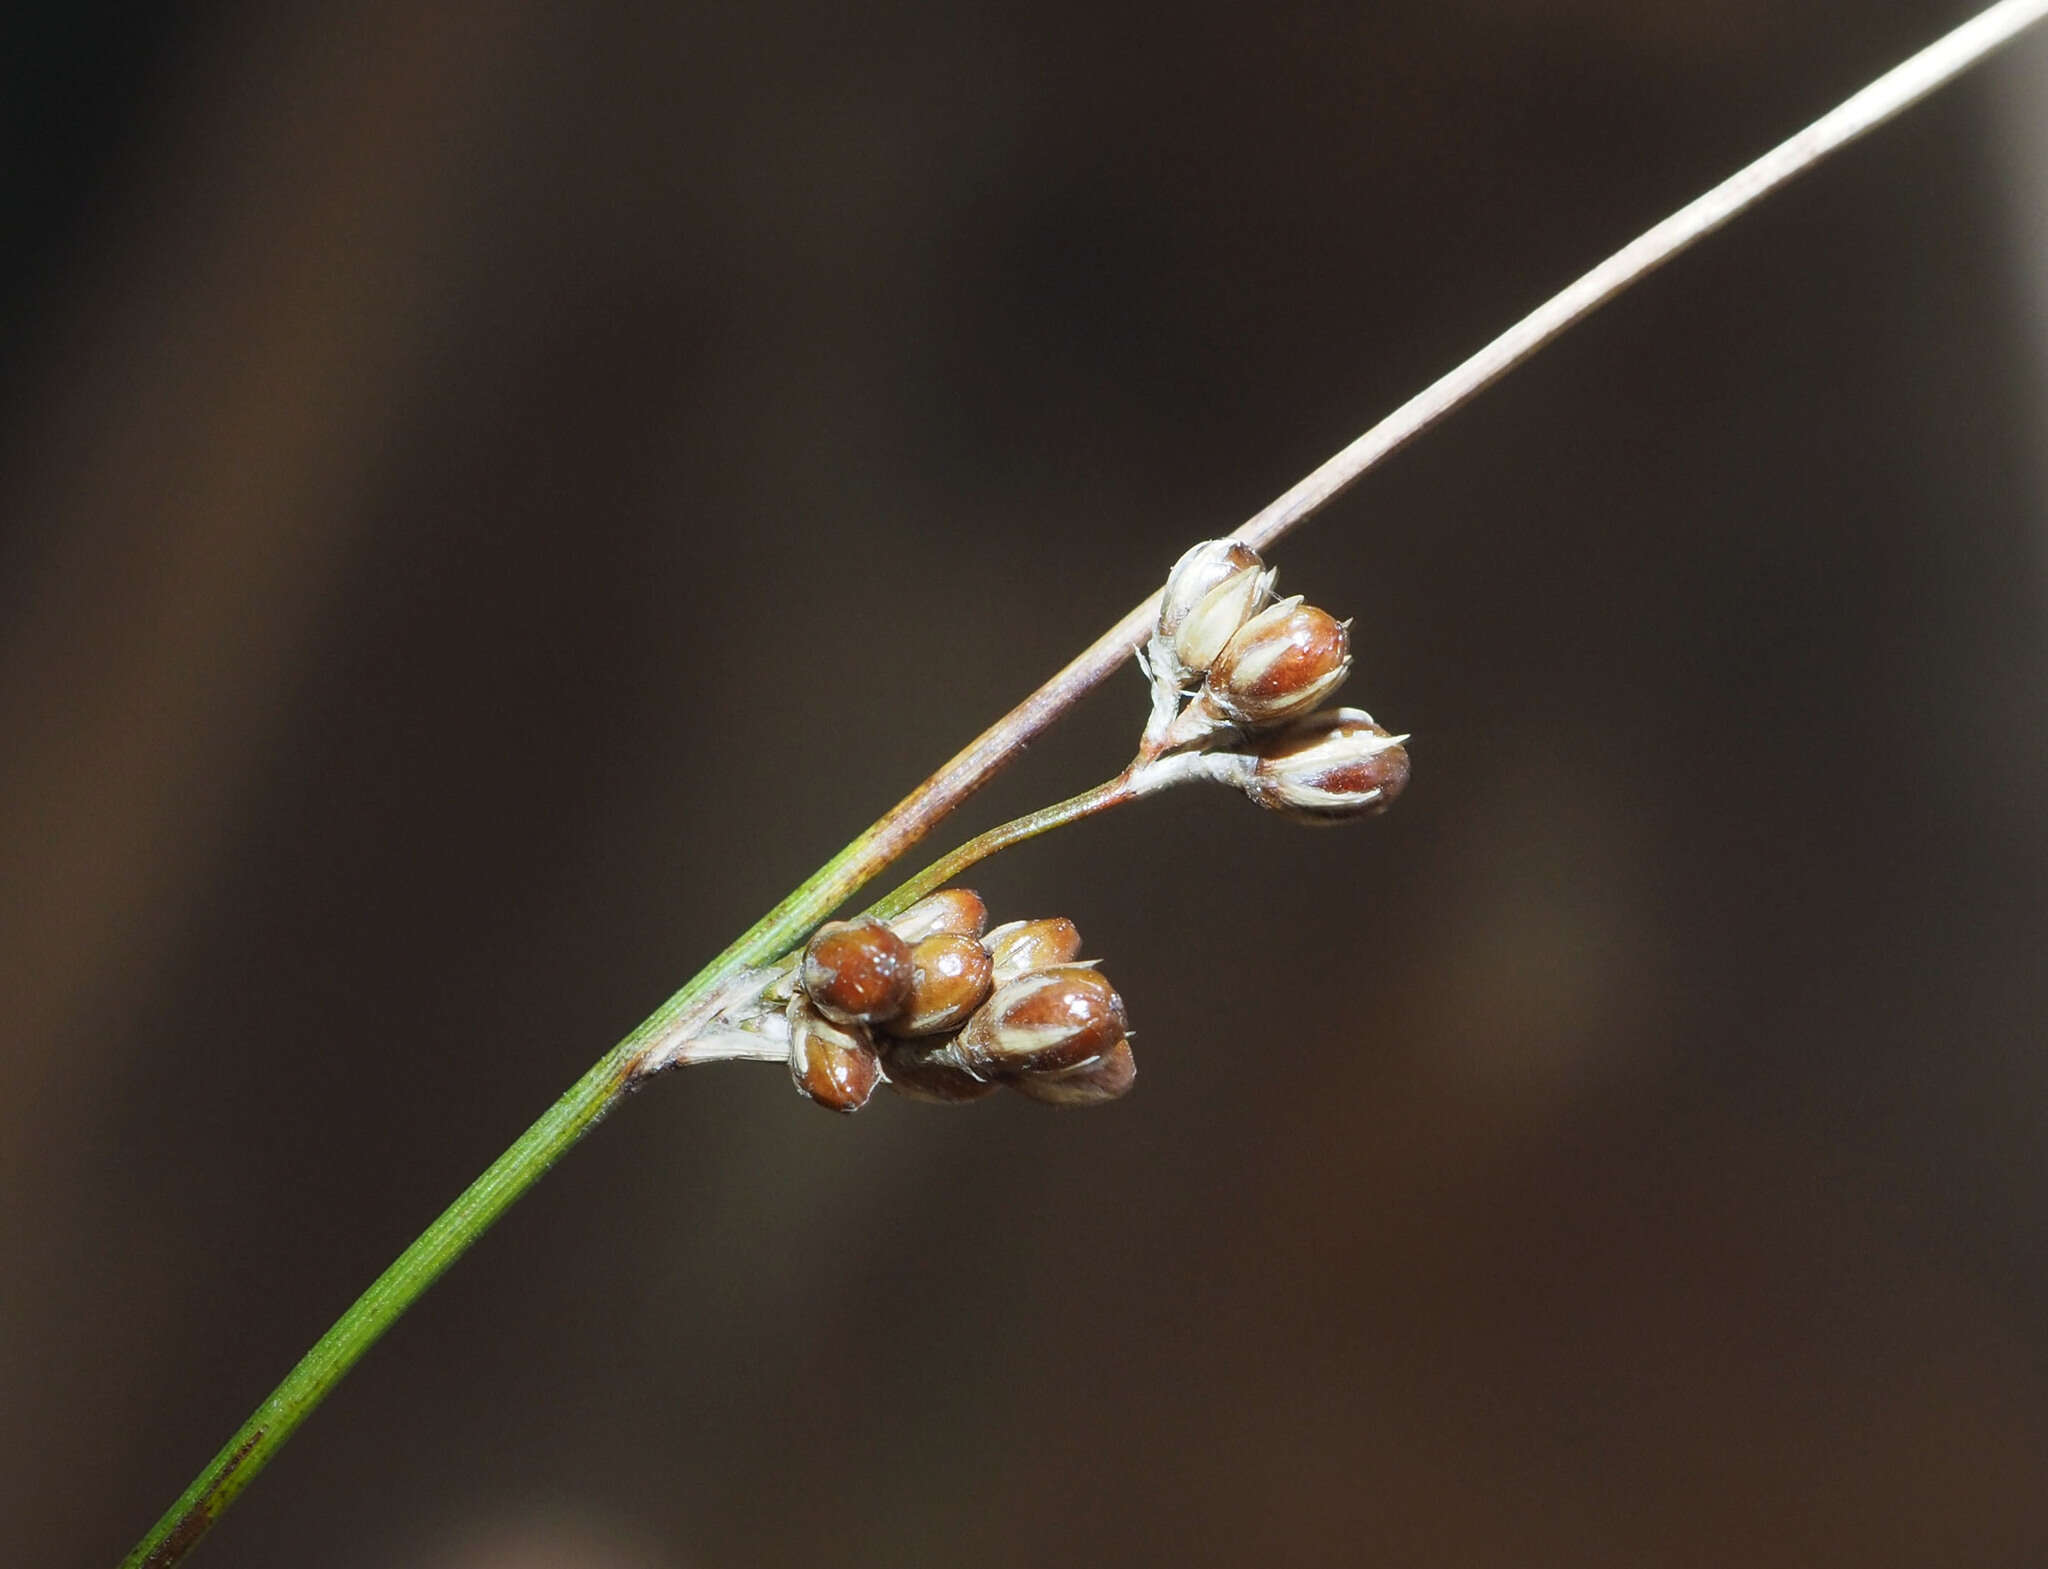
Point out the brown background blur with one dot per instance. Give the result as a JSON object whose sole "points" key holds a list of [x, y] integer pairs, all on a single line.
{"points": [[493, 494]]}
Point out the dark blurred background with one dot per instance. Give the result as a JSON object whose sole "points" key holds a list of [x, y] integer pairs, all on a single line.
{"points": [[494, 494]]}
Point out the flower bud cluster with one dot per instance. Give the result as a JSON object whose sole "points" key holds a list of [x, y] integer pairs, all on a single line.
{"points": [[942, 1011], [1259, 670]]}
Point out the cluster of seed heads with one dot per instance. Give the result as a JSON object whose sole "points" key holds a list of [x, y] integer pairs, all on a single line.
{"points": [[940, 1010], [1257, 669]]}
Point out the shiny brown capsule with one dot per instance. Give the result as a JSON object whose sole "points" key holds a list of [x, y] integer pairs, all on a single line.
{"points": [[950, 976], [1042, 1022], [930, 1070], [1093, 1083], [1329, 768], [949, 910], [1021, 946], [1282, 662], [835, 1065], [857, 972]]}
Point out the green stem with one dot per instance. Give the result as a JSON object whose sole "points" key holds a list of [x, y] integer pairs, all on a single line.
{"points": [[418, 1267], [1112, 792], [579, 1110]]}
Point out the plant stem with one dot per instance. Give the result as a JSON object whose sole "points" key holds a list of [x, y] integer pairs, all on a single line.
{"points": [[653, 1045], [656, 1042], [1113, 792], [418, 1267], [580, 1109], [1144, 777], [1898, 89]]}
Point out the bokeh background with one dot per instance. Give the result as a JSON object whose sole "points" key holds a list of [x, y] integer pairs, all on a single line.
{"points": [[494, 493]]}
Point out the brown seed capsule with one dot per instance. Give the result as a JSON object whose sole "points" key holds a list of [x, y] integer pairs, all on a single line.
{"points": [[1020, 946], [857, 972], [1199, 570], [1092, 1083], [1329, 768], [835, 1065], [949, 910], [1282, 662], [950, 976], [1043, 1022], [930, 1070]]}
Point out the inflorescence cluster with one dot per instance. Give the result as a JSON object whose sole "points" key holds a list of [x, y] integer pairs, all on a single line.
{"points": [[943, 1011], [940, 1009], [1257, 669]]}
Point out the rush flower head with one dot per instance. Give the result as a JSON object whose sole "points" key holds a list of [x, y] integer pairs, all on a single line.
{"points": [[1200, 569], [832, 1064], [950, 976], [930, 1070], [1212, 591], [1032, 945], [1095, 1082], [949, 910], [1282, 662], [1328, 768], [857, 972], [1043, 1022]]}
